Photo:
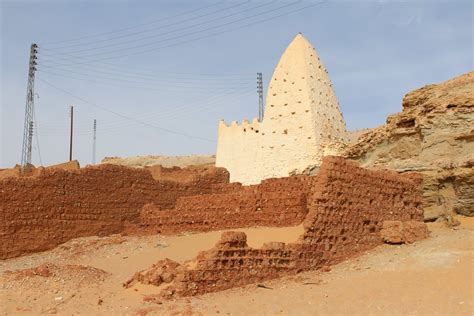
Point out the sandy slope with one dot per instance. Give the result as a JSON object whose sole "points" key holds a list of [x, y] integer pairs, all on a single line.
{"points": [[432, 277], [165, 161]]}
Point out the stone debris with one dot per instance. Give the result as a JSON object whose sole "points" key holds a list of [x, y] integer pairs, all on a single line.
{"points": [[398, 232], [164, 271]]}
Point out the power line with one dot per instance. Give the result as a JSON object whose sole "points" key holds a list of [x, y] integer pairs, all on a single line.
{"points": [[162, 33], [187, 76], [194, 39], [179, 36], [94, 62], [181, 111], [124, 116], [185, 105], [200, 81], [136, 26], [196, 85], [120, 125]]}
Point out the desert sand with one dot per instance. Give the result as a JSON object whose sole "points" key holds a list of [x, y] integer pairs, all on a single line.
{"points": [[430, 277]]}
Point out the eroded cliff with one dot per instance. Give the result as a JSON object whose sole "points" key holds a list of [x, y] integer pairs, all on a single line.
{"points": [[433, 135]]}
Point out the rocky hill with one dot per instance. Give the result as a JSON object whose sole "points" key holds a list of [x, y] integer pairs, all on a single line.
{"points": [[433, 135]]}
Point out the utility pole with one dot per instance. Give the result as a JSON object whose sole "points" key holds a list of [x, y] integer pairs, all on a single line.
{"points": [[30, 137], [29, 110], [260, 96], [70, 136], [94, 141]]}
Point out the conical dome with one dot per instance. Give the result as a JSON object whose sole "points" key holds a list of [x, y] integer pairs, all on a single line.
{"points": [[301, 90]]}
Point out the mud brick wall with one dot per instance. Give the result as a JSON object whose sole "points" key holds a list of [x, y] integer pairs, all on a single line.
{"points": [[232, 263], [275, 202], [348, 208], [346, 212], [183, 175], [38, 213]]}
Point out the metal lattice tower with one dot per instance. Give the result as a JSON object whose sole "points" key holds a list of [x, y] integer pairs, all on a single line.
{"points": [[29, 111], [260, 95], [94, 141]]}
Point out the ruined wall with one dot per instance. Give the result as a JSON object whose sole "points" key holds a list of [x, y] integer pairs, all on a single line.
{"points": [[183, 175], [302, 122], [38, 213], [349, 207], [346, 214], [275, 202]]}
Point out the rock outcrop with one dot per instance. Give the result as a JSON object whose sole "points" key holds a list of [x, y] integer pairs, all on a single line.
{"points": [[433, 135]]}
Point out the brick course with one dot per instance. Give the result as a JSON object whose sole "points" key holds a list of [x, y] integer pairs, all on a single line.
{"points": [[275, 202], [37, 213], [53, 206]]}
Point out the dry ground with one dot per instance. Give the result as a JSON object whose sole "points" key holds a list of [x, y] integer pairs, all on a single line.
{"points": [[431, 277]]}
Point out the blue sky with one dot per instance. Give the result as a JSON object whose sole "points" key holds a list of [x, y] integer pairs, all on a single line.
{"points": [[167, 95]]}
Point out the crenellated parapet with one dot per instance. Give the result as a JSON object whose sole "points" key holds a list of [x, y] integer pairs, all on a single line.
{"points": [[234, 127]]}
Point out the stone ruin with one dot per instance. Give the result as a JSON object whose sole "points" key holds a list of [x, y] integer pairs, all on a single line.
{"points": [[345, 210], [42, 211], [350, 210], [302, 122]]}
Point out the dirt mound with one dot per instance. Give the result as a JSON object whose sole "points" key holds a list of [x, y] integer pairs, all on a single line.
{"points": [[165, 161], [33, 171], [76, 272], [433, 135], [164, 271]]}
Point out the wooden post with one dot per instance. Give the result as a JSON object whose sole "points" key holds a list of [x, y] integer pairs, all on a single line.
{"points": [[70, 138]]}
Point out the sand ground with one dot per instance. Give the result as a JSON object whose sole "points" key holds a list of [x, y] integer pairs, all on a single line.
{"points": [[431, 277]]}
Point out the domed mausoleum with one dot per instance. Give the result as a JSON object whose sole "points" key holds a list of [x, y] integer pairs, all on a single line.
{"points": [[302, 122]]}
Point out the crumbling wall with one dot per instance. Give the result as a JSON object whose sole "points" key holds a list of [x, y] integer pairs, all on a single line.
{"points": [[275, 202], [347, 210], [184, 175], [349, 207], [38, 213]]}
